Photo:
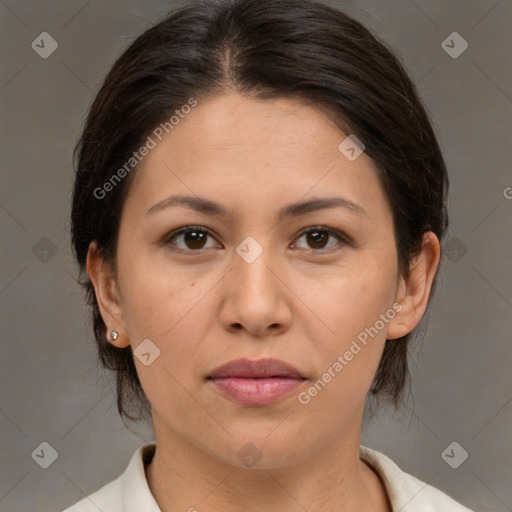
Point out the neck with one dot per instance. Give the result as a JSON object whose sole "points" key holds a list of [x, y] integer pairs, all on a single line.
{"points": [[183, 477]]}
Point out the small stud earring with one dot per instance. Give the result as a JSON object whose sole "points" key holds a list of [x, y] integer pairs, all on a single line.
{"points": [[114, 335]]}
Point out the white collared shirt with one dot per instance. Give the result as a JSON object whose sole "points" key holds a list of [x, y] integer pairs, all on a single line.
{"points": [[130, 492]]}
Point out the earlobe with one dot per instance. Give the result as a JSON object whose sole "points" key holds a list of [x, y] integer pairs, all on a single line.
{"points": [[107, 295], [413, 291]]}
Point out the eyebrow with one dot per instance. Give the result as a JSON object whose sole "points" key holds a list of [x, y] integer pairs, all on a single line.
{"points": [[209, 207]]}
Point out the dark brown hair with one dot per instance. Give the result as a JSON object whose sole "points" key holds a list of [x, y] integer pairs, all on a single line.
{"points": [[263, 48]]}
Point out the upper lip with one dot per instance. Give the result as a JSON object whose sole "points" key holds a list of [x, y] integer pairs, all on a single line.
{"points": [[246, 368]]}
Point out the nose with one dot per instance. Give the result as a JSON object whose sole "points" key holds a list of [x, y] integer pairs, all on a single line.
{"points": [[257, 297]]}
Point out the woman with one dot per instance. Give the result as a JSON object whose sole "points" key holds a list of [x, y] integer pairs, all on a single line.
{"points": [[257, 213]]}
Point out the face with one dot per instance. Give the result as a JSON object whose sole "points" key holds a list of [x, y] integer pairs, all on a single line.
{"points": [[251, 283]]}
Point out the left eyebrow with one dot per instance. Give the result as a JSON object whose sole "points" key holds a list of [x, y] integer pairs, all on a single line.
{"points": [[209, 207], [296, 209]]}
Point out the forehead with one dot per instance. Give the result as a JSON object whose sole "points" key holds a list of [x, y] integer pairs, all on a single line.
{"points": [[231, 120], [231, 145]]}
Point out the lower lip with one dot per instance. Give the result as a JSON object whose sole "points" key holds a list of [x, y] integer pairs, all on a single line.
{"points": [[262, 391]]}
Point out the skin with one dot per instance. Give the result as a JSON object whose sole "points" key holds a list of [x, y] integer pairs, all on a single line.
{"points": [[205, 308]]}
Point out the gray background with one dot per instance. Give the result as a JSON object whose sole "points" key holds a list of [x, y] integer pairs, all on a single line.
{"points": [[51, 388]]}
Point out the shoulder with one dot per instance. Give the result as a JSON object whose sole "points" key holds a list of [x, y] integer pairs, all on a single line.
{"points": [[406, 492], [129, 492]]}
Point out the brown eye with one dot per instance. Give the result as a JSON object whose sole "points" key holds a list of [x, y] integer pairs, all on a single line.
{"points": [[194, 238], [317, 238]]}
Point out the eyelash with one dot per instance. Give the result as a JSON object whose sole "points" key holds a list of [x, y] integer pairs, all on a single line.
{"points": [[343, 238]]}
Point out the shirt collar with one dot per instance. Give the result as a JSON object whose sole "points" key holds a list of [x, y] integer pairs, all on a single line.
{"points": [[404, 490], [136, 494], [135, 491]]}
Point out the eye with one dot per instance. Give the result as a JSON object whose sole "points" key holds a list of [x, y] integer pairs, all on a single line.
{"points": [[194, 238], [318, 236]]}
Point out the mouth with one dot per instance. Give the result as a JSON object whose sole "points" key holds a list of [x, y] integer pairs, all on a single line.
{"points": [[260, 382]]}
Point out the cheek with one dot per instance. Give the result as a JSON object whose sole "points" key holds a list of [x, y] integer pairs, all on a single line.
{"points": [[354, 304], [351, 297], [170, 307], [171, 310], [156, 294]]}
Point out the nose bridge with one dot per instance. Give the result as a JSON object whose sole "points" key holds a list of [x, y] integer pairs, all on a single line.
{"points": [[253, 262], [255, 295]]}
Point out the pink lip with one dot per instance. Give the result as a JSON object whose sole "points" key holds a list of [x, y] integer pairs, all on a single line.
{"points": [[260, 382]]}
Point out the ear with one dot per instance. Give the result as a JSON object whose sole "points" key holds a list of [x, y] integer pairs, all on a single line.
{"points": [[107, 295], [413, 291]]}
